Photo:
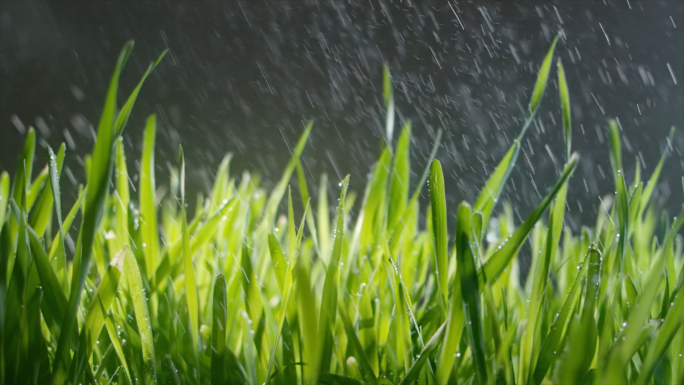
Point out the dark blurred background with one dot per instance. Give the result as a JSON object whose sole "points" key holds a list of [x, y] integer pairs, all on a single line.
{"points": [[245, 76]]}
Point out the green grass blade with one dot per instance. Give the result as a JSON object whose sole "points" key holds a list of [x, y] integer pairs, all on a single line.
{"points": [[308, 324], [439, 226], [470, 291], [98, 185], [530, 345], [360, 354], [400, 178], [41, 213], [583, 333], [328, 313], [412, 375], [97, 311], [26, 159], [136, 288], [495, 265], [551, 345], [148, 200], [494, 187], [389, 103], [188, 267], [565, 109], [280, 265], [4, 196]]}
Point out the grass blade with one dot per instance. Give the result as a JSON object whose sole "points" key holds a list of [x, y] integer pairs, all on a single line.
{"points": [[328, 313], [148, 201], [439, 226], [136, 288]]}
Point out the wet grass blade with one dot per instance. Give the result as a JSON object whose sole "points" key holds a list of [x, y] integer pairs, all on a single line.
{"points": [[188, 267], [414, 372], [583, 333], [471, 293], [400, 178], [4, 196], [565, 109], [495, 265], [136, 288], [439, 227], [148, 201], [328, 312], [493, 188], [389, 103], [308, 324], [98, 186], [552, 343]]}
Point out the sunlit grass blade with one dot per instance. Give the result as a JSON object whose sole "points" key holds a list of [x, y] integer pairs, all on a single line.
{"points": [[41, 213], [4, 196], [565, 109], [552, 343], [439, 226], [97, 311], [498, 261], [583, 334], [328, 312], [136, 288], [470, 291], [529, 345], [400, 178], [308, 324], [359, 353], [188, 267], [25, 160], [493, 188], [98, 186], [389, 103], [148, 201]]}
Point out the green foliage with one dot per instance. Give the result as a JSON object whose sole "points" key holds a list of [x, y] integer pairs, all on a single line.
{"points": [[238, 294]]}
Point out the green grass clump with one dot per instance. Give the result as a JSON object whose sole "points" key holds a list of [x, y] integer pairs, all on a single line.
{"points": [[245, 293]]}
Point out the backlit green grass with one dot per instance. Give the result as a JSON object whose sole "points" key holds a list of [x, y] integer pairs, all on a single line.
{"points": [[244, 292]]}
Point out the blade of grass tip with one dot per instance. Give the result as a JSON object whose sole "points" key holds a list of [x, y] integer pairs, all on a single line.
{"points": [[412, 375], [389, 103], [98, 185], [328, 311], [360, 354], [189, 269], [494, 187], [498, 261], [42, 210], [439, 227], [552, 342], [26, 159], [400, 178], [529, 346], [470, 291], [309, 215], [565, 109], [35, 188], [148, 201], [279, 190], [583, 334], [308, 324], [97, 311], [125, 112], [136, 287], [4, 196]]}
